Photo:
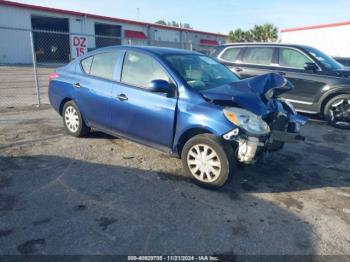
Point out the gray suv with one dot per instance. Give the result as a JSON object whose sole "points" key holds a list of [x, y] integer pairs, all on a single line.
{"points": [[322, 85]]}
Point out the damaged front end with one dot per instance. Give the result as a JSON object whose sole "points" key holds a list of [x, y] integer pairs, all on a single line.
{"points": [[263, 121]]}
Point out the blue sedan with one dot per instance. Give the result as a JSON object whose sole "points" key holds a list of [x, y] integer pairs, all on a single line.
{"points": [[177, 101]]}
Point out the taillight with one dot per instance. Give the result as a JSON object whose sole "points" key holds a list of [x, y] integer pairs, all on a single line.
{"points": [[53, 76]]}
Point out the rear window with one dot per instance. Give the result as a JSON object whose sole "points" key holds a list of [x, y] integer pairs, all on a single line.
{"points": [[103, 65], [86, 64], [100, 65], [258, 55], [231, 54]]}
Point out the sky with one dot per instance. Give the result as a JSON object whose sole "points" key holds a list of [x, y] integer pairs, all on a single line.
{"points": [[219, 16]]}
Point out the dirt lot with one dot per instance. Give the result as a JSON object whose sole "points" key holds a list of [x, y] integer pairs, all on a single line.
{"points": [[102, 195]]}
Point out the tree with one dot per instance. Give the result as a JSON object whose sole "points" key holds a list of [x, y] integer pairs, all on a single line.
{"points": [[259, 33], [248, 37], [269, 33], [161, 22], [236, 36], [174, 24]]}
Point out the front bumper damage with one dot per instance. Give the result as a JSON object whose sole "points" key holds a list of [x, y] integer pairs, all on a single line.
{"points": [[250, 148], [246, 147]]}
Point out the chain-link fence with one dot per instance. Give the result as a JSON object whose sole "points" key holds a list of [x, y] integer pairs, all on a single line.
{"points": [[17, 80], [27, 57]]}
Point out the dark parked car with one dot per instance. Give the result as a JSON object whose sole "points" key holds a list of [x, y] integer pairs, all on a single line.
{"points": [[345, 61], [322, 85], [178, 101]]}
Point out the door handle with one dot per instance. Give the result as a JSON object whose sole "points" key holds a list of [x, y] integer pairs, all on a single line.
{"points": [[122, 97], [281, 73], [77, 85], [238, 69]]}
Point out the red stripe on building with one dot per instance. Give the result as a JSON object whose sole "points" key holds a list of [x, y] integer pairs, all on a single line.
{"points": [[315, 27]]}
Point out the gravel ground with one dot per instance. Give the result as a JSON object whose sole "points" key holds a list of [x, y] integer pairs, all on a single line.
{"points": [[103, 195]]}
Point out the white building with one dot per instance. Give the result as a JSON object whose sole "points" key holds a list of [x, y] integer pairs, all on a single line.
{"points": [[98, 31], [332, 39]]}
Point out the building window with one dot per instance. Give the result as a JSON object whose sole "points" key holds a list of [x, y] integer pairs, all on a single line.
{"points": [[51, 47], [107, 35]]}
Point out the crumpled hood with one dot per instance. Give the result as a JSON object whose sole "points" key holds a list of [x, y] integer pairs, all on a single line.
{"points": [[248, 93]]}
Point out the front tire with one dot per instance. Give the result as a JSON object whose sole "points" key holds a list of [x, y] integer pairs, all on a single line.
{"points": [[337, 111], [73, 122], [208, 160]]}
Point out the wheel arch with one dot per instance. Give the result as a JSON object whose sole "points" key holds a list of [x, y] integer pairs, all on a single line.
{"points": [[63, 102], [331, 94], [188, 134]]}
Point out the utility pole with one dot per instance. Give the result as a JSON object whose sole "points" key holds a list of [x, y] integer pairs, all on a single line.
{"points": [[138, 13]]}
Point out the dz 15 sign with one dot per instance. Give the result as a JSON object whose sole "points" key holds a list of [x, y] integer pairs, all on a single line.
{"points": [[78, 46]]}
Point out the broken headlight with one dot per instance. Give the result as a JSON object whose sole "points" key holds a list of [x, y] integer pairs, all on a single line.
{"points": [[246, 120]]}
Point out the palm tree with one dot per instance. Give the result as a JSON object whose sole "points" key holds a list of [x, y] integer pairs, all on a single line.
{"points": [[236, 36], [259, 33], [269, 33], [256, 32], [248, 37]]}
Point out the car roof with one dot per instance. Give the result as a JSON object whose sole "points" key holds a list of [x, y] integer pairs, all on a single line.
{"points": [[150, 49], [265, 44]]}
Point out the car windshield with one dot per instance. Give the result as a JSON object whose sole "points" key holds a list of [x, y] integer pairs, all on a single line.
{"points": [[324, 59], [201, 72]]}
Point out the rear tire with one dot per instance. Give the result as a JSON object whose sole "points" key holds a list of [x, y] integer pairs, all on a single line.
{"points": [[337, 111], [73, 122], [208, 160]]}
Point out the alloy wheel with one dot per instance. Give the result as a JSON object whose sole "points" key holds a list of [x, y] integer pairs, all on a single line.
{"points": [[339, 113]]}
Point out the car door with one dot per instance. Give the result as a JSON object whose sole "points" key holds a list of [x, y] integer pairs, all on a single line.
{"points": [[256, 60], [137, 113], [93, 88], [307, 83]]}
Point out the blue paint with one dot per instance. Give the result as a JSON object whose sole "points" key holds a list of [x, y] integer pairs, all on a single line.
{"points": [[157, 119]]}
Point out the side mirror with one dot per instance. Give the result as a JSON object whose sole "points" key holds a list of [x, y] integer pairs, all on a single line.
{"points": [[160, 86], [311, 66]]}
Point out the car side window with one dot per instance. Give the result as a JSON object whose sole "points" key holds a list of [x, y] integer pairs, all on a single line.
{"points": [[231, 54], [86, 64], [140, 70], [292, 58], [103, 65], [258, 55]]}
